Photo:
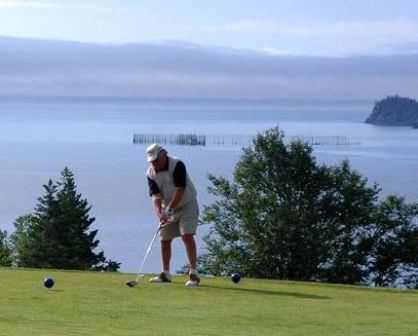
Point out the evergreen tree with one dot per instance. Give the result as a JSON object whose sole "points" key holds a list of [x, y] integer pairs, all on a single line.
{"points": [[58, 234], [75, 221], [37, 236], [46, 229]]}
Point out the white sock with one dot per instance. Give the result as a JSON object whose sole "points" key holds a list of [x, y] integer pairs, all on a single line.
{"points": [[167, 272], [193, 271]]}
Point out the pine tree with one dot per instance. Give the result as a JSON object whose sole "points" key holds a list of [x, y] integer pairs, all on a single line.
{"points": [[46, 229], [58, 234], [75, 222]]}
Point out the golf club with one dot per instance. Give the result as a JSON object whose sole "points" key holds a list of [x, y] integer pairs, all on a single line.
{"points": [[133, 283]]}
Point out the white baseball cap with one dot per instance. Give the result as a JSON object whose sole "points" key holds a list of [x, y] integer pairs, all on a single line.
{"points": [[153, 151]]}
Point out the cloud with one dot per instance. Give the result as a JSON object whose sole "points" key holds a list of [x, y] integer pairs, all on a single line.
{"points": [[401, 48], [42, 67], [34, 4], [276, 51], [22, 4], [397, 27], [93, 8]]}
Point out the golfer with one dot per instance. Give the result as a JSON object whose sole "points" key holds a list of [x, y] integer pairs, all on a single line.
{"points": [[174, 199]]}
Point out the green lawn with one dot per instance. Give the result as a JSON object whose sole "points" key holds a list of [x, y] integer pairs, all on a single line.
{"points": [[90, 303]]}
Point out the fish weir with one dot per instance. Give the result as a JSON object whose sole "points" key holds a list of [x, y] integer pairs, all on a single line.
{"points": [[234, 140], [171, 139]]}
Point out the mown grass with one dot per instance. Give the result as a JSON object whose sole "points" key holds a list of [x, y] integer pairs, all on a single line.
{"points": [[91, 303]]}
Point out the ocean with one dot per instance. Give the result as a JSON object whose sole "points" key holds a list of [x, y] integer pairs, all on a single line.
{"points": [[94, 138]]}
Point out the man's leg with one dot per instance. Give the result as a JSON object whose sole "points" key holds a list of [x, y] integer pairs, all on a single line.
{"points": [[164, 276], [190, 245], [166, 254], [188, 224]]}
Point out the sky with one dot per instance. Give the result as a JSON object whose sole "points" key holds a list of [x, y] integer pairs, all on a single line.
{"points": [[228, 49], [292, 27]]}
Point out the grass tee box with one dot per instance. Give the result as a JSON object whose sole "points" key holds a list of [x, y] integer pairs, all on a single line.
{"points": [[91, 303]]}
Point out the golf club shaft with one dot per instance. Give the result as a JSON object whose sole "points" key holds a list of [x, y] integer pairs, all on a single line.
{"points": [[149, 249], [147, 254]]}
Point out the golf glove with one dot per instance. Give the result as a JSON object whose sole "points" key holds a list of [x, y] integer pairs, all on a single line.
{"points": [[169, 212]]}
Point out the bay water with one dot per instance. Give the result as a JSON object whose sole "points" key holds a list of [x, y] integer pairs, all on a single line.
{"points": [[94, 138]]}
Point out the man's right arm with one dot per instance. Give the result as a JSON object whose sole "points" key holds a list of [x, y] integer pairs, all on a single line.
{"points": [[155, 194]]}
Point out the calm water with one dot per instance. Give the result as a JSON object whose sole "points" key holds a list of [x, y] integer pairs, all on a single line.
{"points": [[94, 138]]}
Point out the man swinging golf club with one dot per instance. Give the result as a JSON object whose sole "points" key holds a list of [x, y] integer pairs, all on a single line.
{"points": [[174, 199]]}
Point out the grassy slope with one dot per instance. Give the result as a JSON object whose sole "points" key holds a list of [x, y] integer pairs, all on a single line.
{"points": [[86, 303]]}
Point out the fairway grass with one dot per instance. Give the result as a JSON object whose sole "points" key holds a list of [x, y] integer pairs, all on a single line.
{"points": [[92, 303]]}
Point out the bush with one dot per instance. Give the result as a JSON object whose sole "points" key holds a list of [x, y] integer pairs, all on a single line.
{"points": [[284, 216]]}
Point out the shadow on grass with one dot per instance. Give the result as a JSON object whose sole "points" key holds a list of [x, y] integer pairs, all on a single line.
{"points": [[268, 292]]}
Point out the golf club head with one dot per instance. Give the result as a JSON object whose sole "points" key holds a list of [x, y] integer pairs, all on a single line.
{"points": [[131, 283]]}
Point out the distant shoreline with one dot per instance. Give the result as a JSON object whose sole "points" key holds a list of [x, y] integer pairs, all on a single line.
{"points": [[46, 98]]}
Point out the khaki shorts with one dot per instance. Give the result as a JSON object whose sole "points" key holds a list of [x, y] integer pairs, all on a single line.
{"points": [[185, 222]]}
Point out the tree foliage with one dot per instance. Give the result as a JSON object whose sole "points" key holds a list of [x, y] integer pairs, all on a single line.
{"points": [[392, 241], [284, 216], [58, 234], [5, 250]]}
